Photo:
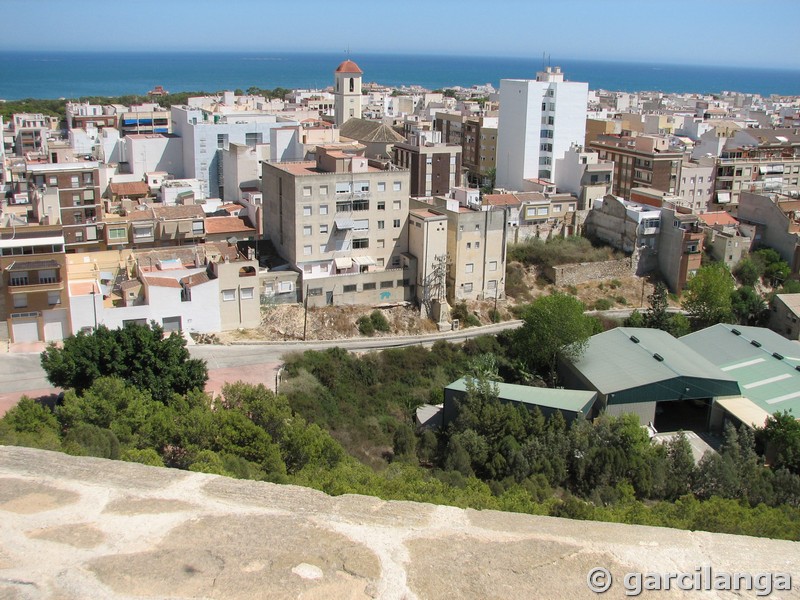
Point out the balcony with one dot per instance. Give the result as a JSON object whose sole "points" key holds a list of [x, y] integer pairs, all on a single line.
{"points": [[33, 287]]}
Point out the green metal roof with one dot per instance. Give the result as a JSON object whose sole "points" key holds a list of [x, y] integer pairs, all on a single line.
{"points": [[567, 400], [765, 369], [632, 364]]}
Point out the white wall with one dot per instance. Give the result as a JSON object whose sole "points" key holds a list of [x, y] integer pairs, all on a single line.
{"points": [[152, 153]]}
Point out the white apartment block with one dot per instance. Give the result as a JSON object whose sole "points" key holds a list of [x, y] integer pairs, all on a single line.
{"points": [[539, 121], [205, 133]]}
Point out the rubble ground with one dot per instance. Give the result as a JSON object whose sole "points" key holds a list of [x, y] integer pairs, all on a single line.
{"points": [[286, 321]]}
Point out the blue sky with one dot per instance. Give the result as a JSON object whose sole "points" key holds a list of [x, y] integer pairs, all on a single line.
{"points": [[709, 32]]}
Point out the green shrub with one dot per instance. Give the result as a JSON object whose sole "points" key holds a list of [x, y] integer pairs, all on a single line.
{"points": [[379, 321], [603, 304], [615, 283], [621, 300], [365, 325]]}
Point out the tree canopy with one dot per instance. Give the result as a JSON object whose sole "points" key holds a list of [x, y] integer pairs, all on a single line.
{"points": [[708, 296], [138, 354], [554, 327]]}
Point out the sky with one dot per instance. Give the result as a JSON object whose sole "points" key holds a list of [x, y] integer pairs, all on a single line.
{"points": [[748, 33]]}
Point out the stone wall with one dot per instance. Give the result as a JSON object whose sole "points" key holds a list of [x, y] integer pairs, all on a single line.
{"points": [[576, 273], [79, 527]]}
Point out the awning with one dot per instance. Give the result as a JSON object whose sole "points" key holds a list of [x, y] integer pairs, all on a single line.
{"points": [[33, 241], [33, 265], [343, 223], [343, 263], [364, 261], [745, 410], [723, 197]]}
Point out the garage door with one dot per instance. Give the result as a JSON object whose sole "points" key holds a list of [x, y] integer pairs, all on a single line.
{"points": [[25, 330], [55, 325], [171, 323]]}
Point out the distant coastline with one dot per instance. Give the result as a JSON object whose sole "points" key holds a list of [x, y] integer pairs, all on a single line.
{"points": [[75, 74]]}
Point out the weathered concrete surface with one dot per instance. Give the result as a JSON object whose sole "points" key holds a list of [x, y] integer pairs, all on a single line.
{"points": [[74, 528]]}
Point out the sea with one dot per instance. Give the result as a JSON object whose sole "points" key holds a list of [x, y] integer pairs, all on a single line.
{"points": [[77, 74]]}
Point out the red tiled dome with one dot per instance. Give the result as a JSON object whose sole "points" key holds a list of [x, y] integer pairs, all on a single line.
{"points": [[349, 66]]}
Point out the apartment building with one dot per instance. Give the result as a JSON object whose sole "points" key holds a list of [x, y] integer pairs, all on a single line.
{"points": [[582, 174], [640, 161], [82, 115], [144, 119], [760, 162], [435, 167], [680, 247], [539, 121], [696, 184], [33, 282], [479, 143], [28, 133], [69, 194], [205, 132], [341, 220], [475, 248]]}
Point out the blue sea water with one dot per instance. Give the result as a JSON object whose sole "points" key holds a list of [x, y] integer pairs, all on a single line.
{"points": [[72, 75]]}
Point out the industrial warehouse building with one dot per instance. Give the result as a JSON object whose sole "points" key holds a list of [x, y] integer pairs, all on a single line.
{"points": [[766, 365], [652, 374], [573, 404]]}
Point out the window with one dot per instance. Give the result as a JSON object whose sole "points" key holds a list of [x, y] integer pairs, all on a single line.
{"points": [[493, 265], [381, 186], [469, 267], [381, 205], [197, 227], [323, 209], [315, 292], [360, 204], [323, 229], [20, 278], [396, 223], [75, 181], [396, 205], [118, 234], [91, 232], [344, 206], [88, 194], [247, 294], [307, 250], [469, 245], [381, 243], [360, 224], [228, 295], [368, 286], [387, 284], [380, 262], [79, 236], [322, 249], [53, 298], [306, 190], [397, 186], [381, 224], [477, 245], [343, 187], [52, 181], [323, 190], [492, 284], [222, 140], [20, 300], [78, 217], [306, 229], [360, 243], [285, 287], [142, 232], [251, 139], [306, 211], [468, 287], [361, 186], [557, 208], [347, 289]]}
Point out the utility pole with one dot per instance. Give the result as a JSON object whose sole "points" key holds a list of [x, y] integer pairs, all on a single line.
{"points": [[305, 313]]}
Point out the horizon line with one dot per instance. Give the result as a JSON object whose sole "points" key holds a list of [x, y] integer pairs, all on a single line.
{"points": [[514, 56]]}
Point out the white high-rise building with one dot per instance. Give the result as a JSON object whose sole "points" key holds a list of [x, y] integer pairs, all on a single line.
{"points": [[347, 92], [539, 121]]}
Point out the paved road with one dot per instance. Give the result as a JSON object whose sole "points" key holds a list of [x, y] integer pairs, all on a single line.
{"points": [[22, 372]]}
